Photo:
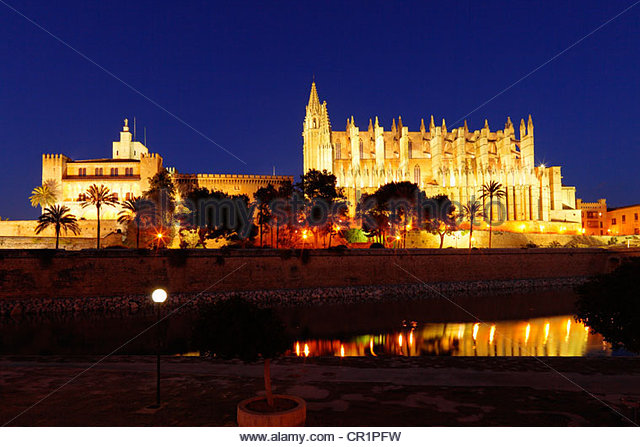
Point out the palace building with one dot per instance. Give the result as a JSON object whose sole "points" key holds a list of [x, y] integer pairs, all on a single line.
{"points": [[127, 175], [455, 162]]}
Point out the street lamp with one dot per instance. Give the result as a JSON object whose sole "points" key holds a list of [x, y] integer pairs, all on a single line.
{"points": [[158, 296]]}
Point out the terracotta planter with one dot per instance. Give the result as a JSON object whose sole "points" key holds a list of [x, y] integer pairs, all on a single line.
{"points": [[293, 417]]}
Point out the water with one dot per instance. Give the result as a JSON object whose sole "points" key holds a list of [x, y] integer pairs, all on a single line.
{"points": [[539, 324], [548, 336]]}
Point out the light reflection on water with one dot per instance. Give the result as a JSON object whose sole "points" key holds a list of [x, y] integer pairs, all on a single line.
{"points": [[552, 336]]}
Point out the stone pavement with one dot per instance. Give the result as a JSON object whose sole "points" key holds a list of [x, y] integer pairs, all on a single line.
{"points": [[431, 391]]}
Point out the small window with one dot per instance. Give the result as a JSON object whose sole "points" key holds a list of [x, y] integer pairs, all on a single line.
{"points": [[128, 196], [338, 150], [115, 195], [361, 150], [82, 172], [600, 224], [613, 221], [624, 218], [416, 175], [114, 172], [635, 216]]}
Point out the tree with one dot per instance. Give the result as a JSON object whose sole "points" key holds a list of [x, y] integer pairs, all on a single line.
{"points": [[609, 305], [137, 211], [439, 217], [373, 217], [490, 191], [393, 204], [162, 192], [61, 219], [472, 211], [324, 201], [215, 214], [99, 196], [264, 197], [45, 195], [235, 328]]}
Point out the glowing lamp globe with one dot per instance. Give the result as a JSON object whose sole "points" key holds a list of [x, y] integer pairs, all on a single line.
{"points": [[159, 296]]}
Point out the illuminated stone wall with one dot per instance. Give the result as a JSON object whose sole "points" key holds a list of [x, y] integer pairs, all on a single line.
{"points": [[45, 274]]}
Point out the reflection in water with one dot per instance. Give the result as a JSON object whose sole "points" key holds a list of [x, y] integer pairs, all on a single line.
{"points": [[552, 336]]}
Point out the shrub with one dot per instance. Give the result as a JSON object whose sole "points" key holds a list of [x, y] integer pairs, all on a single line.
{"points": [[609, 305], [355, 235], [376, 245], [236, 328]]}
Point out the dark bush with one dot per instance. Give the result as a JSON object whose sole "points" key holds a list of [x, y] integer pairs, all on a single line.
{"points": [[610, 305], [236, 328], [376, 245]]}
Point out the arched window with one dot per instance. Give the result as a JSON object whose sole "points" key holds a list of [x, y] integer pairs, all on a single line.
{"points": [[338, 150], [416, 175], [410, 149], [361, 150]]}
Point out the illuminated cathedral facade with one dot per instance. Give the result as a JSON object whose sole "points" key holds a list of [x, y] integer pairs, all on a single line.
{"points": [[455, 162]]}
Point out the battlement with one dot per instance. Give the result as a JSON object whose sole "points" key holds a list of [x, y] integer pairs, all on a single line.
{"points": [[55, 157]]}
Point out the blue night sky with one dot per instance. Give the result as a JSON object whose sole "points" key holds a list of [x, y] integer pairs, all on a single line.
{"points": [[240, 73]]}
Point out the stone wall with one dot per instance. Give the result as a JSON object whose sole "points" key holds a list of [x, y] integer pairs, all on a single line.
{"points": [[51, 274], [21, 234]]}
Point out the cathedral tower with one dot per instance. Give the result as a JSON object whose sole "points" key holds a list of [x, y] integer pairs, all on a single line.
{"points": [[316, 132]]}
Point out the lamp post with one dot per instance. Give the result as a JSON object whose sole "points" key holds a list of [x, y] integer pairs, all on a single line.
{"points": [[158, 296]]}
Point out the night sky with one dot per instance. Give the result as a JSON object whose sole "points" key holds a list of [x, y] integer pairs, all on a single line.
{"points": [[240, 73]]}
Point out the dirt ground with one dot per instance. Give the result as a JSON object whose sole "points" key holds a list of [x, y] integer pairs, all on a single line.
{"points": [[427, 391]]}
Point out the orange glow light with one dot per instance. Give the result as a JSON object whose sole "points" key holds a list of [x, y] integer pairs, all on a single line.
{"points": [[546, 331], [371, 347], [341, 350], [492, 333], [298, 348], [568, 329], [411, 338], [475, 331], [527, 331], [400, 340], [306, 350]]}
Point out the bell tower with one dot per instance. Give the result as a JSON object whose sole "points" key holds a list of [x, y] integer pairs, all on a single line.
{"points": [[316, 133]]}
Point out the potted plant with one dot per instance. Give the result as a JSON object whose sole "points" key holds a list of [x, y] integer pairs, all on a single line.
{"points": [[238, 329]]}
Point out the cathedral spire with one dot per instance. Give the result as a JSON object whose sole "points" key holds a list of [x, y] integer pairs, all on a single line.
{"points": [[399, 123], [422, 129], [432, 123], [393, 126], [314, 101], [370, 125], [444, 126]]}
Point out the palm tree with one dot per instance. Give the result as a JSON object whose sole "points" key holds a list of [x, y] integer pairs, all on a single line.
{"points": [[137, 211], [43, 196], [98, 196], [472, 211], [490, 191], [60, 218]]}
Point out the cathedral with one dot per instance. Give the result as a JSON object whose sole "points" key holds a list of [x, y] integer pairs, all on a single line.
{"points": [[455, 162]]}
